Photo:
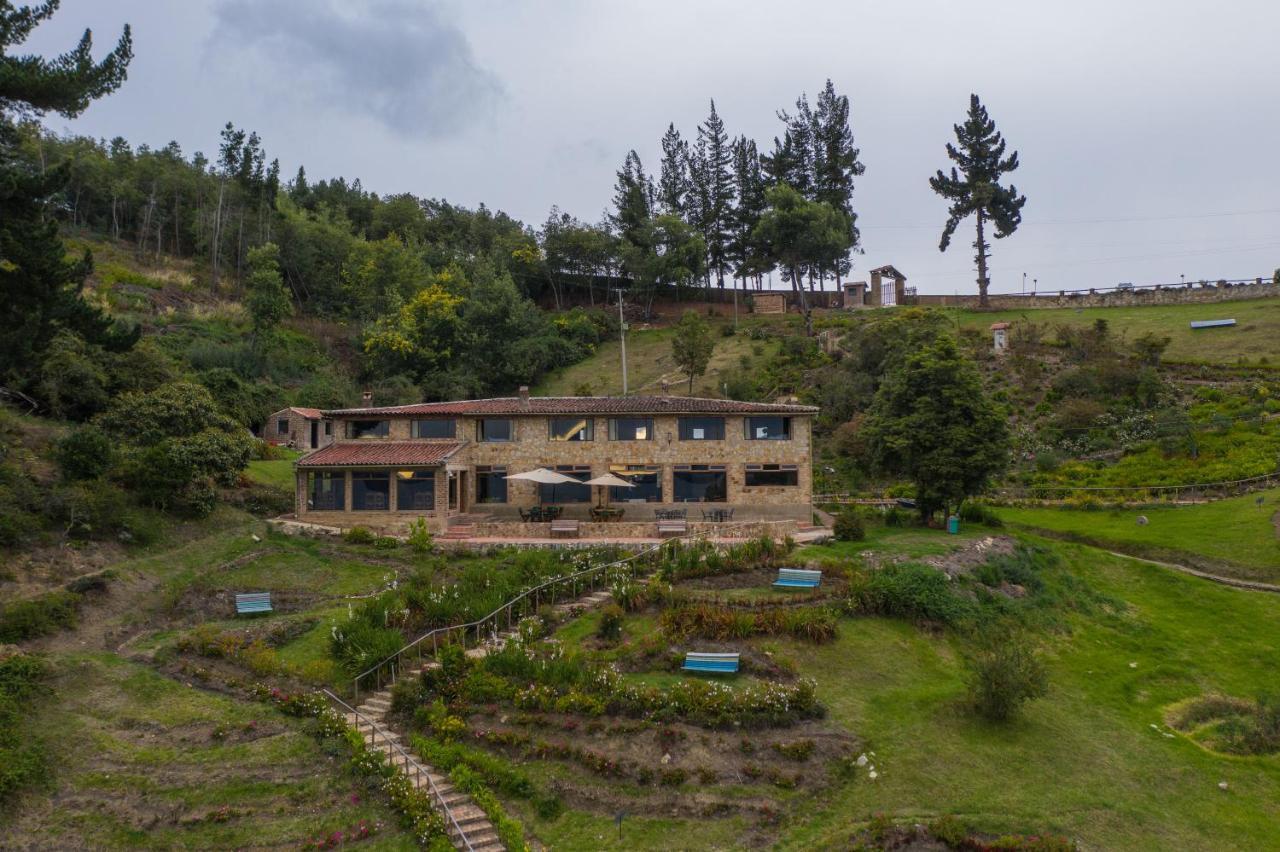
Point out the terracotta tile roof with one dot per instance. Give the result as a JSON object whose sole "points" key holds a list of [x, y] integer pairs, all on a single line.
{"points": [[381, 453], [513, 405], [309, 413]]}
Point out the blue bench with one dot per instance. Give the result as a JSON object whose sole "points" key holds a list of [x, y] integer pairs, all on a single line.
{"points": [[695, 661], [253, 602], [797, 578]]}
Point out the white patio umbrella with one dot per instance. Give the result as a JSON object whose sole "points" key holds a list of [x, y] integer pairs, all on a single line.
{"points": [[542, 476], [610, 480]]}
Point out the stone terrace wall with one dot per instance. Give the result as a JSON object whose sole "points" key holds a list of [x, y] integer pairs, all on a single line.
{"points": [[1190, 294]]}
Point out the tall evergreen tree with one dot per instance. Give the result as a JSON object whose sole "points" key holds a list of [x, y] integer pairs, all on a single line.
{"points": [[39, 288], [673, 179], [712, 184], [633, 199], [974, 187], [745, 254], [836, 164]]}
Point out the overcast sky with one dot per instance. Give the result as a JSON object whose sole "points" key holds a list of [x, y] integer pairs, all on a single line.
{"points": [[1147, 130]]}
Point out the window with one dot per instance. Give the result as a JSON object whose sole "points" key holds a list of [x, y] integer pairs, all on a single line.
{"points": [[572, 429], [701, 428], [328, 427], [567, 493], [370, 490], [768, 428], [282, 426], [327, 492], [441, 428], [700, 483], [368, 428], [646, 479], [631, 429], [415, 490], [491, 483], [772, 474], [491, 429]]}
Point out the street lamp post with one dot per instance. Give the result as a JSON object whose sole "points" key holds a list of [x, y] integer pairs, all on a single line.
{"points": [[622, 337]]}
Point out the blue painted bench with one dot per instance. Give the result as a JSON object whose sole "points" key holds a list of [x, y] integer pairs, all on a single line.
{"points": [[797, 578], [695, 661], [253, 602], [1222, 323]]}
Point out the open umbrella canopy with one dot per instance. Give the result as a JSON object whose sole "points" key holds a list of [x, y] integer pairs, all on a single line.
{"points": [[611, 480], [544, 476]]}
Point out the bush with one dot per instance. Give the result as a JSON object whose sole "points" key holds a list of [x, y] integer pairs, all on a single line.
{"points": [[39, 616], [359, 535], [895, 517], [22, 759], [979, 513], [1005, 674], [85, 453], [611, 618], [910, 591], [848, 526], [420, 537]]}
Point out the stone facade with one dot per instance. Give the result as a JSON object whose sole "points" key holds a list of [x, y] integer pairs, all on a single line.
{"points": [[394, 448], [301, 428], [768, 303]]}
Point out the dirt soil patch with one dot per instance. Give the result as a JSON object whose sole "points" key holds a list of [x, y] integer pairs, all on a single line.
{"points": [[961, 562]]}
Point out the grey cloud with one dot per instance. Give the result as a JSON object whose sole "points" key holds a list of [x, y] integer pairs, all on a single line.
{"points": [[397, 61]]}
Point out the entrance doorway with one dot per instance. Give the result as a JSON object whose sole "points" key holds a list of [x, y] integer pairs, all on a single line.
{"points": [[315, 435], [457, 491]]}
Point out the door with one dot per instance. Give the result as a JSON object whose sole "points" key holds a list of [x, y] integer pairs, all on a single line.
{"points": [[315, 434], [453, 491]]}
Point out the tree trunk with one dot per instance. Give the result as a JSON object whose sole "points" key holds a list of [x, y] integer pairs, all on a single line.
{"points": [[217, 235], [798, 287], [981, 258]]}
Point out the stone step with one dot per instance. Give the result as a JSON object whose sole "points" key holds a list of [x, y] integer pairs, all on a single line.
{"points": [[487, 839]]}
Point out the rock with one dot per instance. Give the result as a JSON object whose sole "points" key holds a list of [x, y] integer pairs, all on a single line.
{"points": [[1142, 520], [1222, 785], [862, 760], [666, 758], [1133, 665], [872, 775], [255, 537]]}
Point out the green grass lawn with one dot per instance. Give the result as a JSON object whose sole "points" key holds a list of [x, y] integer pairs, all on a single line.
{"points": [[649, 361], [1084, 762], [1236, 532], [1257, 333], [277, 472], [145, 762]]}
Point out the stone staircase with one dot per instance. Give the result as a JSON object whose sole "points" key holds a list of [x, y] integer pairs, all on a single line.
{"points": [[473, 822], [458, 532]]}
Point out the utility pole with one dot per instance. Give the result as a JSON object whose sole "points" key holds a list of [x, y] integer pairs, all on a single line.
{"points": [[1024, 283], [622, 336]]}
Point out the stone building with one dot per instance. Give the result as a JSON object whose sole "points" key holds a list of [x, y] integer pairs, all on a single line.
{"points": [[1000, 337], [300, 428], [435, 460], [879, 293]]}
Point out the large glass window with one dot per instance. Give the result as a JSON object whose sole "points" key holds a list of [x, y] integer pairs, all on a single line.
{"points": [[700, 483], [282, 426], [567, 493], [415, 490], [768, 428], [491, 429], [370, 490], [631, 429], [646, 480], [701, 428], [327, 492], [491, 483], [772, 474], [438, 428], [368, 428], [572, 429]]}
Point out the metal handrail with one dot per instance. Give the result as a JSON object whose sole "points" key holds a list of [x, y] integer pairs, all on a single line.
{"points": [[409, 759], [507, 607]]}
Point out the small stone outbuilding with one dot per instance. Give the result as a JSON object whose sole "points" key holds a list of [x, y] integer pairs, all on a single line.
{"points": [[1000, 337], [299, 428]]}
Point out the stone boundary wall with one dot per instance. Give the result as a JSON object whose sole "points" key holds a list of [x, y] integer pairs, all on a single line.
{"points": [[1191, 294], [586, 530]]}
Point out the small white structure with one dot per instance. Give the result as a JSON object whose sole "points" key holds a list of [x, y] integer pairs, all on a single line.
{"points": [[1000, 337]]}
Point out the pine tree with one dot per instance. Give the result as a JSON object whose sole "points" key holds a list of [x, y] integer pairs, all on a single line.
{"points": [[745, 254], [673, 180], [39, 288], [713, 185], [836, 164], [633, 200], [975, 186]]}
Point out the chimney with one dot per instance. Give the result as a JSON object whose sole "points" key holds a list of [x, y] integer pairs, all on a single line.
{"points": [[367, 398], [664, 387], [524, 397]]}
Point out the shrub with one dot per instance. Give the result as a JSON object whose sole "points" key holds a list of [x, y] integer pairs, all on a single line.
{"points": [[1005, 674], [910, 591], [359, 535], [85, 453], [979, 513], [798, 750], [38, 616], [420, 537], [22, 759], [895, 517], [848, 526], [386, 542], [611, 618]]}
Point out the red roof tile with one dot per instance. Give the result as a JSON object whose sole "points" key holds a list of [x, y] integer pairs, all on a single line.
{"points": [[381, 453], [512, 405], [309, 413]]}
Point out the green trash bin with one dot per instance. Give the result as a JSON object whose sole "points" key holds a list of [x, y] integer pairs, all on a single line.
{"points": [[953, 524]]}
